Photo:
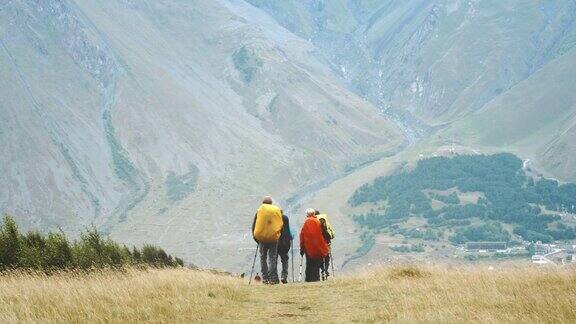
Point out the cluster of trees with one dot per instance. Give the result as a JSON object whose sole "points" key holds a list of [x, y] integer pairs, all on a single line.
{"points": [[493, 232], [408, 248], [416, 233], [509, 197], [54, 251]]}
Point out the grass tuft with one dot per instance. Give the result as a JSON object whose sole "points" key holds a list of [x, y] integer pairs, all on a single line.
{"points": [[409, 271]]}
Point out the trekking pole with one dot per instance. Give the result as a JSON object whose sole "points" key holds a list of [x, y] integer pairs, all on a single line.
{"points": [[332, 262], [323, 269], [292, 242], [254, 263], [301, 260]]}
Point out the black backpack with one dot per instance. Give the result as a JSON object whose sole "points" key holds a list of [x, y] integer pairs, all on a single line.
{"points": [[285, 237]]}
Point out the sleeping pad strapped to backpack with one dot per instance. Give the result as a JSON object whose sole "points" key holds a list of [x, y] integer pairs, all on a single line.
{"points": [[312, 240], [329, 228], [268, 225]]}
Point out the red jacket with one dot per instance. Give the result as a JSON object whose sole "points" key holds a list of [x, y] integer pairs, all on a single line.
{"points": [[311, 239]]}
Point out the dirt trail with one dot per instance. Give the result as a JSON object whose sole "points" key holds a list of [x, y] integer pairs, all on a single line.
{"points": [[299, 301]]}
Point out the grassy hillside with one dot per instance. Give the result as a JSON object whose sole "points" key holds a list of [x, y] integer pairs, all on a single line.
{"points": [[401, 294]]}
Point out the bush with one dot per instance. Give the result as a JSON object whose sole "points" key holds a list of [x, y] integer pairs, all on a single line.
{"points": [[32, 250], [58, 251], [9, 244], [156, 256], [91, 251]]}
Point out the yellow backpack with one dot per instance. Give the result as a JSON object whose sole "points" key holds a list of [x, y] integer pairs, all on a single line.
{"points": [[268, 225], [329, 227]]}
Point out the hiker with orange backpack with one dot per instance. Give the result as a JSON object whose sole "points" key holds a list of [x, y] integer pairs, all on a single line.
{"points": [[266, 230], [313, 245]]}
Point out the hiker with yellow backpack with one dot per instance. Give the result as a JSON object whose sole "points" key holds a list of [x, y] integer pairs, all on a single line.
{"points": [[329, 234], [266, 230]]}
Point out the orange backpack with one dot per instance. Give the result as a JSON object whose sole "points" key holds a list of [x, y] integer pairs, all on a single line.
{"points": [[312, 240]]}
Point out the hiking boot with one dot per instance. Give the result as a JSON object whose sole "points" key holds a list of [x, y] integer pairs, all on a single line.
{"points": [[284, 281]]}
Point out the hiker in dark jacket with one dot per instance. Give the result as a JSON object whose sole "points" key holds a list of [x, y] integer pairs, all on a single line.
{"points": [[284, 244]]}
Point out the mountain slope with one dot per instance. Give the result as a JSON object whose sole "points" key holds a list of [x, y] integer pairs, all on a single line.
{"points": [[531, 118], [168, 120], [51, 119], [439, 59], [444, 60]]}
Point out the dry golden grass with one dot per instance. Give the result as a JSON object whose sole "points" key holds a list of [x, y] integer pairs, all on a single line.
{"points": [[397, 294]]}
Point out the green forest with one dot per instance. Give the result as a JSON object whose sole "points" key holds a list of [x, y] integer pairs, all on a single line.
{"points": [[55, 251], [508, 196]]}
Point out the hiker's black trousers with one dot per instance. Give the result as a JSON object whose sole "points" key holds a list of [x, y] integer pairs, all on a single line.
{"points": [[313, 269], [284, 258], [326, 264]]}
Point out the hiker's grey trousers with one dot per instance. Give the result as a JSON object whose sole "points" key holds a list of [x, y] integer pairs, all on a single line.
{"points": [[269, 262]]}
